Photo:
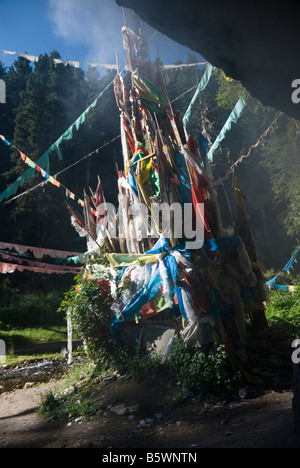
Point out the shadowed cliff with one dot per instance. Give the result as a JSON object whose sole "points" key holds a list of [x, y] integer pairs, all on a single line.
{"points": [[255, 42]]}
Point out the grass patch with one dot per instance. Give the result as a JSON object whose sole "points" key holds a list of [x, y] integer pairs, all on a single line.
{"points": [[284, 308], [73, 398], [25, 337]]}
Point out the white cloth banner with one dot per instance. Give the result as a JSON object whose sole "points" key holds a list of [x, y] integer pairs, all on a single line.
{"points": [[37, 251], [31, 58]]}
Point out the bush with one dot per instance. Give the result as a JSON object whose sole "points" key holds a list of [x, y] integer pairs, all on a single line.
{"points": [[284, 308], [89, 301], [32, 309], [136, 363], [206, 375]]}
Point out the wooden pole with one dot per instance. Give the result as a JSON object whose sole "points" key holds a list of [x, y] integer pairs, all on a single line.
{"points": [[69, 331]]}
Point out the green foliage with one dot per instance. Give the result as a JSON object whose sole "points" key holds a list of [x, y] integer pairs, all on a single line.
{"points": [[32, 309], [207, 375], [284, 308], [90, 311], [281, 157], [134, 362], [229, 91]]}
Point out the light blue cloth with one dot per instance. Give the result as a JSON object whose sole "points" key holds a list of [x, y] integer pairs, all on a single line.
{"points": [[288, 266], [291, 262], [233, 118], [202, 85]]}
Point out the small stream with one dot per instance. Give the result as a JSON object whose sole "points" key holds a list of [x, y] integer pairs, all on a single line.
{"points": [[40, 371]]}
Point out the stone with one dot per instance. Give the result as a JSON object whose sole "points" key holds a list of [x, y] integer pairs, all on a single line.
{"points": [[120, 409], [28, 385], [110, 379], [133, 409]]}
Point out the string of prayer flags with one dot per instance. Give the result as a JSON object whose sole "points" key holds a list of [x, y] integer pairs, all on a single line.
{"points": [[35, 58], [47, 176], [49, 269], [38, 252], [35, 264], [68, 62], [220, 180], [43, 161], [31, 58]]}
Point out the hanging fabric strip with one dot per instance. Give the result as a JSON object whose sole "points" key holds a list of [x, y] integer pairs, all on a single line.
{"points": [[291, 262], [31, 58], [287, 268], [108, 66], [11, 268], [43, 161], [68, 62], [183, 65], [37, 251], [34, 58], [35, 264], [233, 118], [202, 85]]}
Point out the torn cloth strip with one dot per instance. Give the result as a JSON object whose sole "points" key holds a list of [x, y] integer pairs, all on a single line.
{"points": [[202, 85], [31, 58], [272, 283], [291, 262], [233, 118]]}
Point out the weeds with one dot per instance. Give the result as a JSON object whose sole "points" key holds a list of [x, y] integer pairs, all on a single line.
{"points": [[284, 308], [73, 399]]}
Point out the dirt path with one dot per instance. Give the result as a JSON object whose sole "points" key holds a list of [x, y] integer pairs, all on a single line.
{"points": [[264, 422]]}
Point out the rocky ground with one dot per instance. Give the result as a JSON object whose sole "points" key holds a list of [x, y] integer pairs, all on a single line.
{"points": [[139, 415]]}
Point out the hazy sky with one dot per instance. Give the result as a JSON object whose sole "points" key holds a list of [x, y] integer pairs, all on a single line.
{"points": [[81, 30]]}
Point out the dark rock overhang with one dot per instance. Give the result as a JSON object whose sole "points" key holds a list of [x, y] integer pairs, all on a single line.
{"points": [[255, 42]]}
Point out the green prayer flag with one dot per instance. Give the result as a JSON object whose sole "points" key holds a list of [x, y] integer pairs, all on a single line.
{"points": [[233, 118], [202, 85]]}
